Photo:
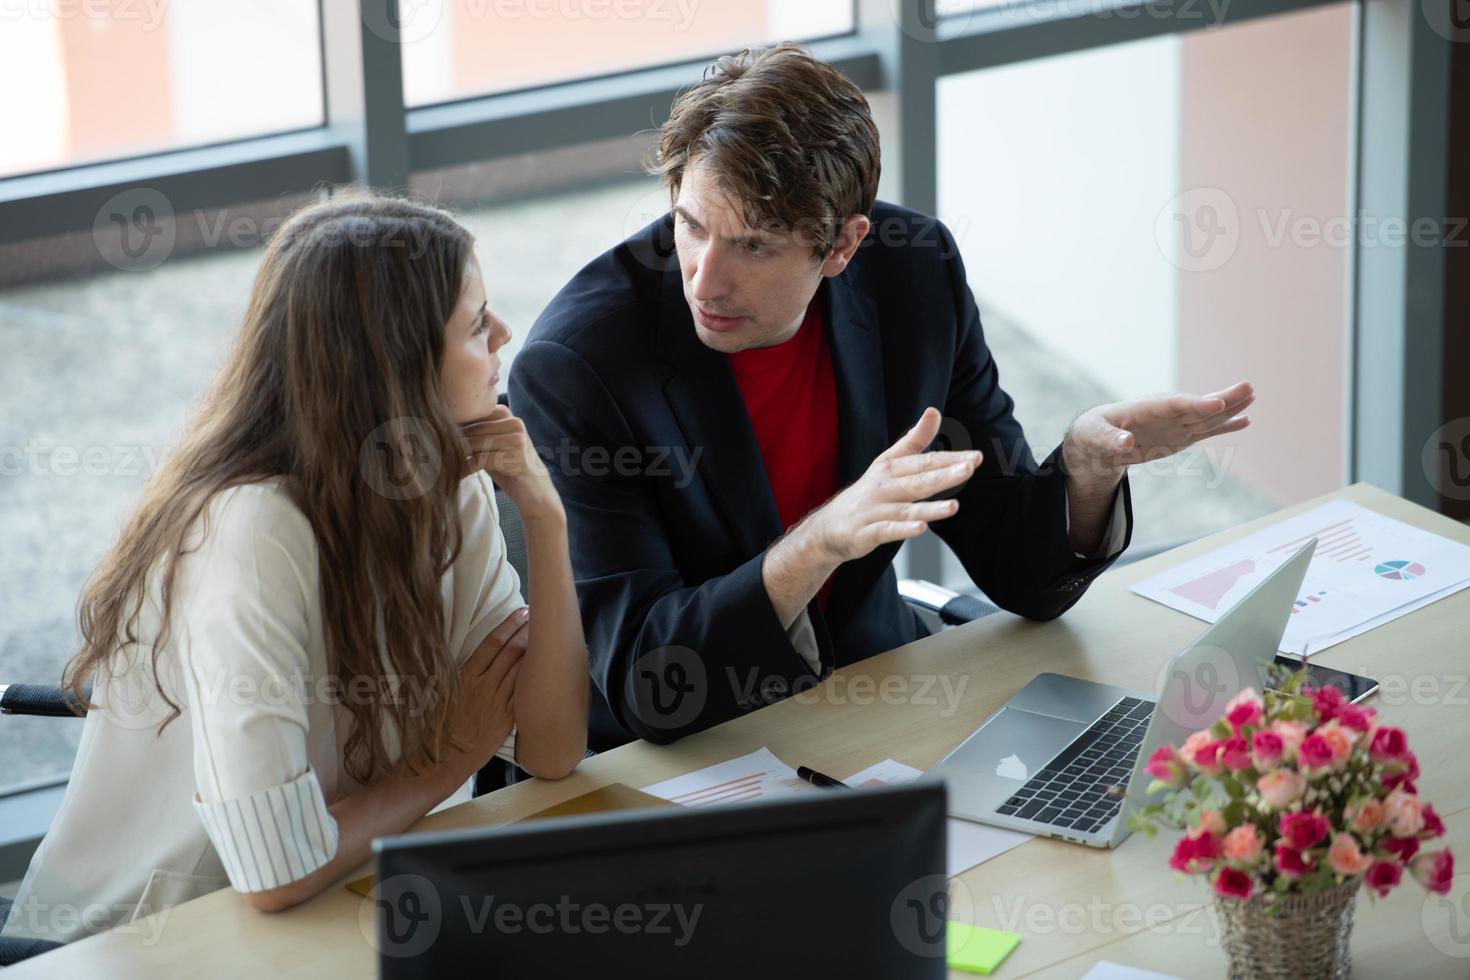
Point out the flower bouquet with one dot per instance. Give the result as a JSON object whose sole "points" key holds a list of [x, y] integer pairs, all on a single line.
{"points": [[1290, 804]]}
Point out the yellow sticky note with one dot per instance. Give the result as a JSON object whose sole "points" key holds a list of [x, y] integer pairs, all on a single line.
{"points": [[977, 949]]}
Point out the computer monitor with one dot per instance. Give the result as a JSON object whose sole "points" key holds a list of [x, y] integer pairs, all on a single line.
{"points": [[839, 883]]}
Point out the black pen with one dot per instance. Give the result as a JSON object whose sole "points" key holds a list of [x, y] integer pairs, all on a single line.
{"points": [[820, 779]]}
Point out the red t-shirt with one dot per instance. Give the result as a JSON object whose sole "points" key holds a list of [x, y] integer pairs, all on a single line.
{"points": [[790, 394]]}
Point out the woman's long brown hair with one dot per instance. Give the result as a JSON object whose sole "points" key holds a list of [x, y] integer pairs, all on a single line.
{"points": [[332, 385]]}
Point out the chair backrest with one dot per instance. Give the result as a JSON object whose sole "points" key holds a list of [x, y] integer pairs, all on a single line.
{"points": [[14, 949], [515, 539]]}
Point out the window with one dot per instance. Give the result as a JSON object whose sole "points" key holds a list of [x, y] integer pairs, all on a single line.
{"points": [[1160, 216], [454, 49], [106, 79]]}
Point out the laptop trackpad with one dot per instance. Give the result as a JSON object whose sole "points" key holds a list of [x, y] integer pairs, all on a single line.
{"points": [[999, 758]]}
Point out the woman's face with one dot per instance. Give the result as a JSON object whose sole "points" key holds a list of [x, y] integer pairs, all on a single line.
{"points": [[470, 371]]}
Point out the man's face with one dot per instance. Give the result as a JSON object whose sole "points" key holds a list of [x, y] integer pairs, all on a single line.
{"points": [[745, 287]]}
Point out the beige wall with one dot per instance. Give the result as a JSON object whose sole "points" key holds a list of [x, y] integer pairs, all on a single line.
{"points": [[1265, 111], [118, 84], [514, 52]]}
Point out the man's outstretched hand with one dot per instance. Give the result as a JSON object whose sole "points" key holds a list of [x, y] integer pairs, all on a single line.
{"points": [[1104, 441]]}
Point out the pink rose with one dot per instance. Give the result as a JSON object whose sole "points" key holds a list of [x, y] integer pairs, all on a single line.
{"points": [[1401, 774], [1281, 787], [1366, 817], [1341, 740], [1167, 767], [1266, 749], [1291, 734], [1193, 744], [1303, 830], [1433, 826], [1317, 753], [1345, 857], [1207, 758], [1233, 882], [1244, 709], [1234, 754], [1403, 814], [1194, 854], [1384, 876], [1388, 745], [1356, 717], [1242, 844], [1326, 701], [1434, 871], [1292, 863], [1401, 848], [1210, 823]]}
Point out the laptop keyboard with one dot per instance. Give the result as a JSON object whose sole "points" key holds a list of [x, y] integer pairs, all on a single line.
{"points": [[1071, 792]]}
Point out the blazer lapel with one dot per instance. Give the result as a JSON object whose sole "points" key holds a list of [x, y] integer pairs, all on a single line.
{"points": [[857, 363], [710, 411], [862, 413]]}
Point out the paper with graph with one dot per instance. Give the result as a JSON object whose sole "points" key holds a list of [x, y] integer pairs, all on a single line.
{"points": [[1368, 570], [761, 775]]}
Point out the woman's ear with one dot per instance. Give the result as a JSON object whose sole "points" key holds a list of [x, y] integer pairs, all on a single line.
{"points": [[849, 237]]}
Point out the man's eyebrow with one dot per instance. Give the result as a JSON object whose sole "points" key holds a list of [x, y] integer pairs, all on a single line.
{"points": [[757, 237]]}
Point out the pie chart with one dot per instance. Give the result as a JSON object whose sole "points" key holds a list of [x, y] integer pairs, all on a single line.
{"points": [[1405, 571]]}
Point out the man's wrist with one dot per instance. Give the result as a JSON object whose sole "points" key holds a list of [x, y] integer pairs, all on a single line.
{"points": [[802, 546], [1088, 476]]}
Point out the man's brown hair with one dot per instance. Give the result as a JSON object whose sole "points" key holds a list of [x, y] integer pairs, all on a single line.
{"points": [[787, 136]]}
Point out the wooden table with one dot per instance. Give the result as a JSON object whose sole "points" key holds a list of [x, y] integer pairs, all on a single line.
{"points": [[1073, 905]]}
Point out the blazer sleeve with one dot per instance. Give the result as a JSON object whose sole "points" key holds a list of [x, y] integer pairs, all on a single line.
{"points": [[1011, 530], [670, 657]]}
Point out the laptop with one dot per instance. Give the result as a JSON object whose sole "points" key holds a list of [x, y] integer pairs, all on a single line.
{"points": [[1064, 758]]}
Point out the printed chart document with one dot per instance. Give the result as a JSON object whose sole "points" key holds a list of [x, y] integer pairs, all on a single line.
{"points": [[760, 775], [1368, 570]]}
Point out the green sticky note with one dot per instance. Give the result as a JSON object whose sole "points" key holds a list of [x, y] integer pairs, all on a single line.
{"points": [[977, 949]]}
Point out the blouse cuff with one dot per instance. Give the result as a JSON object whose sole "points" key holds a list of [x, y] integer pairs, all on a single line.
{"points": [[274, 836], [507, 750]]}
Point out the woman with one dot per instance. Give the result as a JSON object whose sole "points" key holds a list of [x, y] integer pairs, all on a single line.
{"points": [[308, 634]]}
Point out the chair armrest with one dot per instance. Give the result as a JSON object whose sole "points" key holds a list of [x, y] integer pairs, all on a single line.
{"points": [[38, 699], [952, 608]]}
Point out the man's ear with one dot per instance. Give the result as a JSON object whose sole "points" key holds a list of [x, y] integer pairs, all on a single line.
{"points": [[849, 237]]}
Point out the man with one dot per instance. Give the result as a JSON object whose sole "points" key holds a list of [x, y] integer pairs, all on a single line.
{"points": [[736, 401]]}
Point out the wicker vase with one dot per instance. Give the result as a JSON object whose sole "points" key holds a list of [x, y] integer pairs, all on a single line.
{"points": [[1305, 939]]}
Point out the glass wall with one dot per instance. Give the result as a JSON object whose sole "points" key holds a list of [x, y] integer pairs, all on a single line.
{"points": [[1160, 216], [108, 78], [455, 49]]}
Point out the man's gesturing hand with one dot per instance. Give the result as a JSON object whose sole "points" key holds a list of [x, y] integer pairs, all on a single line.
{"points": [[888, 503], [1108, 439]]}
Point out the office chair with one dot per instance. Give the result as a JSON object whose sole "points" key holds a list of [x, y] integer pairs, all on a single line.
{"points": [[15, 949]]}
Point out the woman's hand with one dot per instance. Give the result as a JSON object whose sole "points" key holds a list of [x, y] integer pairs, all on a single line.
{"points": [[500, 446], [484, 714]]}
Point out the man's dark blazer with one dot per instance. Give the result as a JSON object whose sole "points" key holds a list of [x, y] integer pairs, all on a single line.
{"points": [[619, 395]]}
